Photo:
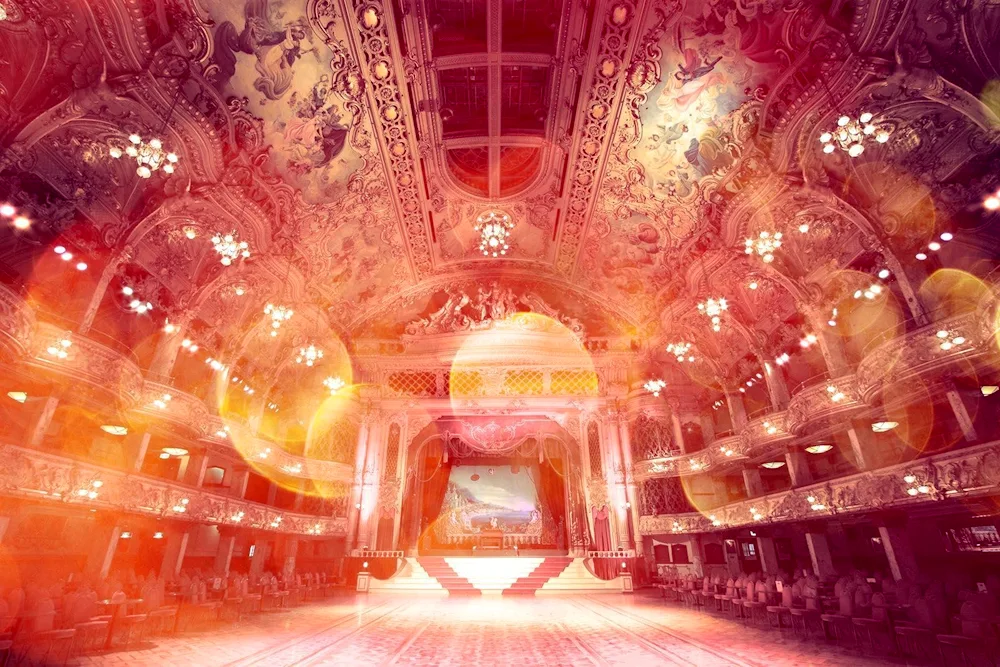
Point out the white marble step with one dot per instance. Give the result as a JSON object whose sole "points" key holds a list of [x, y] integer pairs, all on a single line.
{"points": [[493, 574]]}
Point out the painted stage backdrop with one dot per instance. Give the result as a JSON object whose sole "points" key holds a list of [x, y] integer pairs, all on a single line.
{"points": [[491, 498]]}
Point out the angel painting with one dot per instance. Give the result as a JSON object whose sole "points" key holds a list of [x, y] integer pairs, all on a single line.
{"points": [[276, 48]]}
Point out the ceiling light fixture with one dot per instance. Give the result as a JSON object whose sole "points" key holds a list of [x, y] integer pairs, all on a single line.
{"points": [[279, 314], [851, 134], [654, 386], [773, 465], [949, 339], [149, 156], [494, 229], [989, 389], [309, 355], [681, 351], [764, 245], [334, 384], [819, 449], [19, 396], [713, 309], [230, 248], [60, 348], [884, 426], [114, 429]]}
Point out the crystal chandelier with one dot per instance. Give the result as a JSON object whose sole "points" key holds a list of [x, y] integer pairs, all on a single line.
{"points": [[309, 355], [278, 315], [334, 384], [229, 248], [654, 386], [150, 155], [851, 134], [680, 351], [494, 230], [714, 308], [764, 245]]}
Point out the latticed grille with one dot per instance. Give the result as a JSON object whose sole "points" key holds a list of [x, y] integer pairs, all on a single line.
{"points": [[391, 453], [664, 495], [466, 383], [337, 443], [574, 383], [419, 383], [594, 450], [651, 438], [523, 383]]}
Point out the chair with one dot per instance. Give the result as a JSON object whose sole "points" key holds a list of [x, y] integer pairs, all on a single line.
{"points": [[162, 620], [755, 612], [806, 619], [868, 632], [131, 626], [46, 647], [965, 651], [775, 614], [915, 642], [90, 636], [837, 627], [6, 648]]}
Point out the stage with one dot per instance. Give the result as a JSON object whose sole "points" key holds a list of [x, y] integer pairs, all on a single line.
{"points": [[633, 631]]}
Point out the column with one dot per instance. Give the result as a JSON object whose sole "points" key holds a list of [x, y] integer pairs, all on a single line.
{"points": [[616, 490], [798, 467], [768, 554], [36, 436], [289, 551], [261, 550], [110, 269], [678, 432], [631, 494], [4, 525], [173, 556], [737, 411], [897, 547], [238, 483], [961, 414], [707, 429], [753, 482], [167, 349], [354, 503], [819, 554], [859, 442], [224, 554], [103, 544], [777, 389], [694, 554], [192, 470], [369, 514], [136, 446], [272, 493]]}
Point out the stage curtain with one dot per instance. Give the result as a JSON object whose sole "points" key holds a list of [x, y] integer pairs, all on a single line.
{"points": [[386, 526], [434, 492], [551, 491], [604, 568]]}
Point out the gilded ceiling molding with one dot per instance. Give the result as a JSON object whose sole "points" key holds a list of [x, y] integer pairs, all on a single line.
{"points": [[618, 22], [377, 53]]}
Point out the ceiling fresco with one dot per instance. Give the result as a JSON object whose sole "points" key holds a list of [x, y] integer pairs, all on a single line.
{"points": [[635, 146]]}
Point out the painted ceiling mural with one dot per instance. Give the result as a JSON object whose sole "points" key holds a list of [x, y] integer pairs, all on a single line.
{"points": [[354, 143]]}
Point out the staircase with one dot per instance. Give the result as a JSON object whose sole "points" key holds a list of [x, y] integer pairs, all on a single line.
{"points": [[494, 576]]}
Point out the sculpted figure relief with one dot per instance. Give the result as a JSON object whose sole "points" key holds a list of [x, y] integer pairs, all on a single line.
{"points": [[491, 307]]}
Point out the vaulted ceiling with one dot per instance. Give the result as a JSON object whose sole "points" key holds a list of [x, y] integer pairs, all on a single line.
{"points": [[353, 144]]}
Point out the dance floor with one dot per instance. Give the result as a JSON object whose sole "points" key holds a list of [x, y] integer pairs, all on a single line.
{"points": [[494, 632]]}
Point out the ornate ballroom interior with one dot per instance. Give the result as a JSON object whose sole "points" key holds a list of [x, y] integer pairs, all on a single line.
{"points": [[634, 332]]}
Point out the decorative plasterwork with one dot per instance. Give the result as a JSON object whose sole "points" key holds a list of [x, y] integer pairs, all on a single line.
{"points": [[965, 473], [617, 24], [32, 474], [17, 324]]}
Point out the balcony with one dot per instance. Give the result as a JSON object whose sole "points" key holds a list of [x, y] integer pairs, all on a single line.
{"points": [[17, 325], [35, 475], [960, 474]]}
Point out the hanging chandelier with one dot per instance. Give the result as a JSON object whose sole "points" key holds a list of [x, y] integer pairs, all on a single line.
{"points": [[680, 351], [654, 386], [764, 245], [851, 134], [150, 156], [334, 384], [230, 248], [714, 308], [494, 230], [278, 315], [309, 355]]}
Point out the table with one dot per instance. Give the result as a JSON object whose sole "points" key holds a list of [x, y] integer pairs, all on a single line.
{"points": [[115, 608]]}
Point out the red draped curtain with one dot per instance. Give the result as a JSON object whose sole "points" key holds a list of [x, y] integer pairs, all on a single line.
{"points": [[604, 568]]}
